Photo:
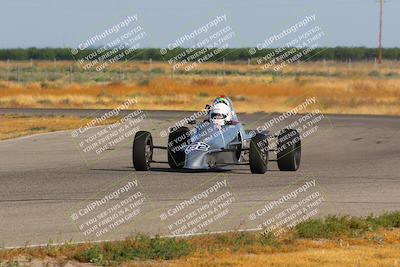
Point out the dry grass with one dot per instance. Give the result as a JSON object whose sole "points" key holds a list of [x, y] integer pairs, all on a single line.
{"points": [[361, 89], [328, 241], [378, 256], [379, 248], [13, 126]]}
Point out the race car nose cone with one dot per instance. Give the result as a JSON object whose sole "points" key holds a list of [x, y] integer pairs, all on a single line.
{"points": [[196, 159]]}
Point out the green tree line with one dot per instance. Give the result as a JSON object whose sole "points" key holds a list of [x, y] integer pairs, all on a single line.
{"points": [[230, 54]]}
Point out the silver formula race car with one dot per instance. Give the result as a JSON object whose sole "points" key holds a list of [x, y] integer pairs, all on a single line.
{"points": [[219, 142]]}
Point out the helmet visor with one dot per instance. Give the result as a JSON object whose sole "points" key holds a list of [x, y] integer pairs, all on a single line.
{"points": [[218, 116]]}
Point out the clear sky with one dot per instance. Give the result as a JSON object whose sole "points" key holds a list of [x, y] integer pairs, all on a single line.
{"points": [[62, 23]]}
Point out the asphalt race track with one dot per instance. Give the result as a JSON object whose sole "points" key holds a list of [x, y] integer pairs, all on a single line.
{"points": [[47, 179]]}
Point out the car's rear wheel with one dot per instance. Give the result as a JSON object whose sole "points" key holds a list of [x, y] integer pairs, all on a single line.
{"points": [[142, 151], [258, 154], [176, 140], [289, 150]]}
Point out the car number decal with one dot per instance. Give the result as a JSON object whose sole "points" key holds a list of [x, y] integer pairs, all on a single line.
{"points": [[197, 146]]}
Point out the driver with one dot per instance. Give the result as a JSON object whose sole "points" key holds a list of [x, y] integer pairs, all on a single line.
{"points": [[220, 114]]}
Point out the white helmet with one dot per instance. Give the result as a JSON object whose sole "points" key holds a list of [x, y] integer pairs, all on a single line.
{"points": [[220, 113]]}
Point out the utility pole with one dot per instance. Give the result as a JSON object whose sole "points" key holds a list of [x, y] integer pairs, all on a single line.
{"points": [[380, 31]]}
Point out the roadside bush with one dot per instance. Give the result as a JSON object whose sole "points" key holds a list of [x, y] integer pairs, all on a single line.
{"points": [[386, 220], [141, 247]]}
